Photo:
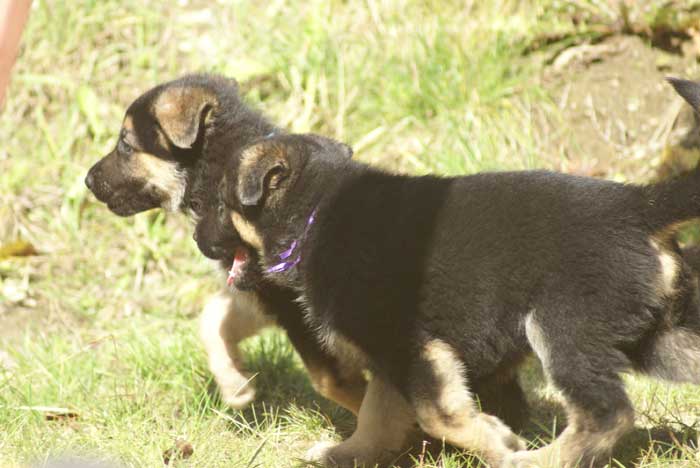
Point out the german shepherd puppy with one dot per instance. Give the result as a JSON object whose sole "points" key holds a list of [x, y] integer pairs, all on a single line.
{"points": [[435, 283], [171, 153]]}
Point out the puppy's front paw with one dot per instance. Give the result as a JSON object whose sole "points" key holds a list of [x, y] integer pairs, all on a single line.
{"points": [[235, 387], [330, 455], [238, 398]]}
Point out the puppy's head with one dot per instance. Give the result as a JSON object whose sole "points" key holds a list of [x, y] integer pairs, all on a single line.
{"points": [[272, 182], [161, 138]]}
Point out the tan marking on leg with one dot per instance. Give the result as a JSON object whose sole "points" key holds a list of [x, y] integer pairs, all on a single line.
{"points": [[347, 389], [580, 441], [247, 231], [384, 425], [340, 347], [455, 417], [226, 320], [668, 269], [162, 174], [454, 395]]}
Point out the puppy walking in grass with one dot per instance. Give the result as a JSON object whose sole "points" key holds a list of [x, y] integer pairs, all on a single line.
{"points": [[434, 283], [171, 151]]}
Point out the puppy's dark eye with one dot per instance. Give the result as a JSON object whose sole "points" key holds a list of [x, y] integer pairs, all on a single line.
{"points": [[124, 148]]}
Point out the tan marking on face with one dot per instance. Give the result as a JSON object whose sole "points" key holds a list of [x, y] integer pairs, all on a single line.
{"points": [[668, 269], [247, 231], [453, 415], [162, 174]]}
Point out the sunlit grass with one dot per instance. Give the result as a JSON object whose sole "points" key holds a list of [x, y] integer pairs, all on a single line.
{"points": [[102, 323]]}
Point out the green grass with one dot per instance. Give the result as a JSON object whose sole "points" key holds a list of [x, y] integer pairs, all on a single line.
{"points": [[102, 322]]}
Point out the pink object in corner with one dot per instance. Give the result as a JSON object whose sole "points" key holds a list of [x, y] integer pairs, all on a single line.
{"points": [[13, 17]]}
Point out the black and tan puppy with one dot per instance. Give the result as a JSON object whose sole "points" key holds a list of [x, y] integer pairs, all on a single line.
{"points": [[171, 152], [435, 283]]}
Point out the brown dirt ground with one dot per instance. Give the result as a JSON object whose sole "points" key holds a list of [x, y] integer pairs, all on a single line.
{"points": [[619, 118]]}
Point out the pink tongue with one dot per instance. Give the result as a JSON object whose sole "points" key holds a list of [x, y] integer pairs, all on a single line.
{"points": [[239, 260]]}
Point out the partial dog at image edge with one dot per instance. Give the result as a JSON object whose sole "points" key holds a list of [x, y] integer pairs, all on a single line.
{"points": [[170, 154], [435, 282]]}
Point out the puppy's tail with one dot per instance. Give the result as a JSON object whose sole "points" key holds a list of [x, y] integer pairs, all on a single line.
{"points": [[677, 200]]}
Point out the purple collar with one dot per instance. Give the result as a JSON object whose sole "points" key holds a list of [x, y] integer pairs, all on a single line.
{"points": [[287, 264]]}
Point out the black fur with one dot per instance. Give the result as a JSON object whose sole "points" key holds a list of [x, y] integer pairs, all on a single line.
{"points": [[228, 127], [394, 262]]}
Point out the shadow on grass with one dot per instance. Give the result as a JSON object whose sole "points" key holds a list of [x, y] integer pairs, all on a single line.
{"points": [[283, 389], [666, 443], [285, 394]]}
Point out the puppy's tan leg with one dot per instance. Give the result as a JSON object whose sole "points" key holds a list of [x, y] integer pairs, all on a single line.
{"points": [[384, 425], [446, 409], [598, 409], [340, 382], [336, 376], [227, 319], [583, 442]]}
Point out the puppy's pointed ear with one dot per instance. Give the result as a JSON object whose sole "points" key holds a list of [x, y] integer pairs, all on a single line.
{"points": [[263, 167], [181, 111], [335, 146], [689, 90]]}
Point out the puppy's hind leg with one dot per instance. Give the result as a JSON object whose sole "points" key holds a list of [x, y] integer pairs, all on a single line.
{"points": [[584, 367], [446, 409], [226, 320], [673, 352]]}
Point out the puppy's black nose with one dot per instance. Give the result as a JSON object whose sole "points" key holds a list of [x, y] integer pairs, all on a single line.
{"points": [[89, 179]]}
